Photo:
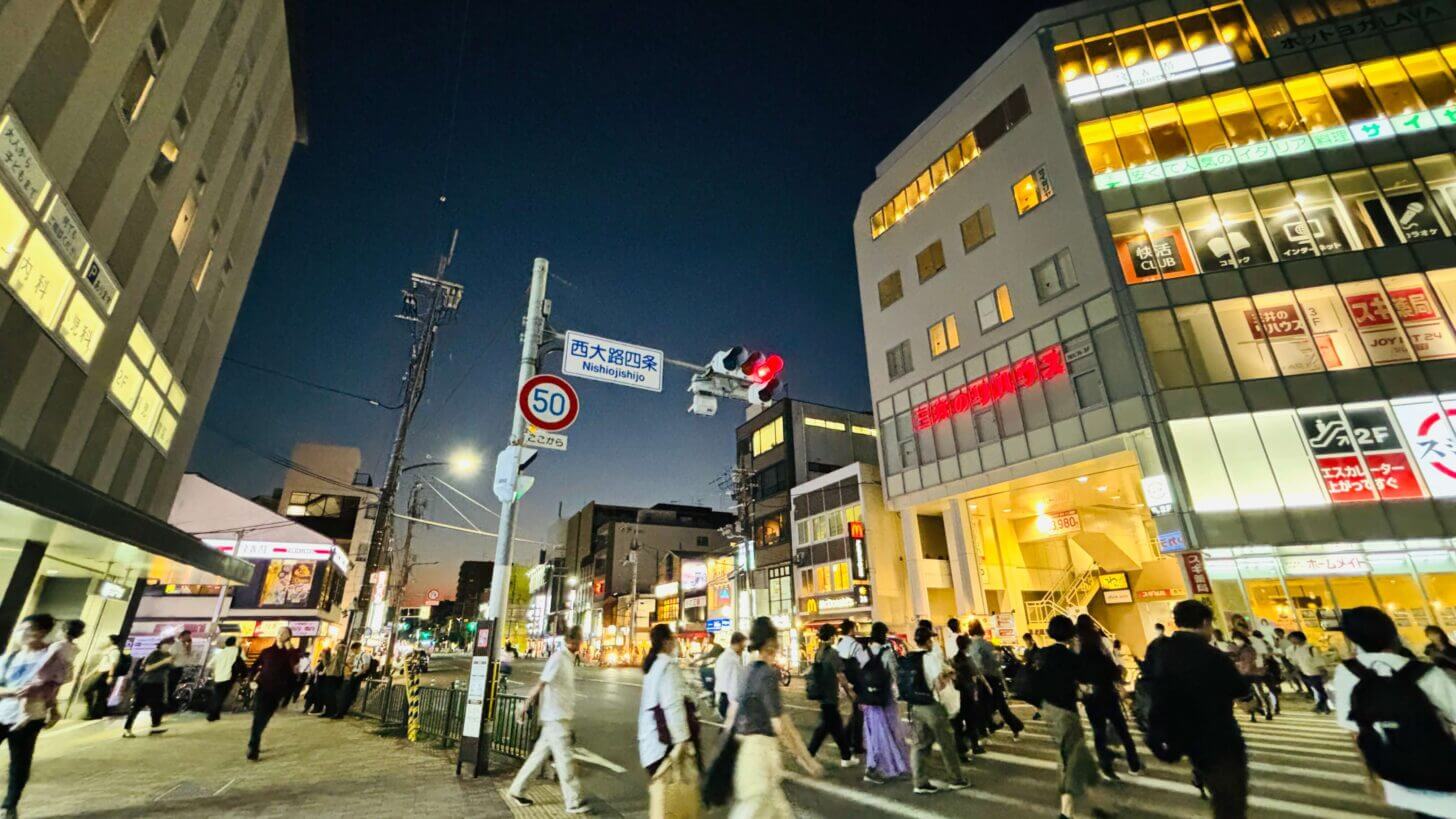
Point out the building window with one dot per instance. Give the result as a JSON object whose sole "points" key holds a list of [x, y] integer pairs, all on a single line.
{"points": [[897, 360], [859, 430], [891, 290], [837, 426], [138, 82], [839, 575], [930, 261], [994, 308], [146, 390], [313, 505], [768, 436], [187, 214], [1054, 276], [1031, 190], [92, 14], [977, 228], [943, 336], [991, 128]]}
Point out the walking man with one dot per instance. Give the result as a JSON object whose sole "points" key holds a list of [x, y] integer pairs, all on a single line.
{"points": [[922, 674], [728, 673], [183, 658], [984, 653], [97, 688], [358, 669], [847, 648], [1311, 669], [556, 691], [222, 677], [271, 678], [331, 684], [828, 669], [151, 688]]}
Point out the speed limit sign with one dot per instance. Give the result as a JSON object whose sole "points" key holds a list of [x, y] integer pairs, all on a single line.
{"points": [[549, 402]]}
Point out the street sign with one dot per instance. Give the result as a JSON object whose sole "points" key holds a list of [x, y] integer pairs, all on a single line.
{"points": [[539, 439], [616, 362], [432, 595], [548, 402]]}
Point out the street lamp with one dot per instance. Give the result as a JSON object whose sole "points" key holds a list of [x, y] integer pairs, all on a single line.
{"points": [[462, 463]]}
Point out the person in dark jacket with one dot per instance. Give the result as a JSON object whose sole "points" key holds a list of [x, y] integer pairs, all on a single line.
{"points": [[1057, 675], [271, 678], [1194, 688], [1103, 704]]}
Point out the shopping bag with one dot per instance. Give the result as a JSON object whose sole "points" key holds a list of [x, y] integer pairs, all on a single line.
{"points": [[717, 785], [673, 790]]}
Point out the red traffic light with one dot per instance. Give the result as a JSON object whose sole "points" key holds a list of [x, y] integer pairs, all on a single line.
{"points": [[762, 369]]}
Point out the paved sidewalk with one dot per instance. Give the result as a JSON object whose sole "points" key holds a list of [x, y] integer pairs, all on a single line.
{"points": [[309, 766]]}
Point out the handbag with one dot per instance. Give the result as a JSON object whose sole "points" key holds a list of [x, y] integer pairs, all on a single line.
{"points": [[717, 784], [673, 788]]}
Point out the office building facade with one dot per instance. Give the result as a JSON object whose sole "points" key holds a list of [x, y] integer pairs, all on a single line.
{"points": [[1196, 337]]}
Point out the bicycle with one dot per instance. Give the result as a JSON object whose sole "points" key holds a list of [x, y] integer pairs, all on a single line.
{"points": [[193, 692]]}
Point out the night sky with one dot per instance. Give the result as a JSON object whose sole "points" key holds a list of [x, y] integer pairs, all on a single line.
{"points": [[691, 171]]}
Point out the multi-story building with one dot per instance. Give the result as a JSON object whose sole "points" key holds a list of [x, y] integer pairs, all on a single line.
{"points": [[143, 147], [783, 446], [326, 492], [1197, 337], [471, 585]]}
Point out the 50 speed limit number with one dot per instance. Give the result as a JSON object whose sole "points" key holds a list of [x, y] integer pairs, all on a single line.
{"points": [[549, 403]]}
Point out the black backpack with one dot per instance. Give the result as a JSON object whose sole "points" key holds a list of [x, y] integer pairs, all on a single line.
{"points": [[875, 685], [814, 681], [914, 688], [1403, 738]]}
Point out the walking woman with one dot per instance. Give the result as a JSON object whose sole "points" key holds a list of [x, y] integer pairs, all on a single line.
{"points": [[1439, 652], [1246, 660], [667, 732], [1103, 704], [1056, 678], [760, 729], [886, 751], [28, 686]]}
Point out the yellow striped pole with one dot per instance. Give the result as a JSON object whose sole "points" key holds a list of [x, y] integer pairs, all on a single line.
{"points": [[412, 689]]}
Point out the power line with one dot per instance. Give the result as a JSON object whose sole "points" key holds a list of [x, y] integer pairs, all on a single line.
{"points": [[324, 387]]}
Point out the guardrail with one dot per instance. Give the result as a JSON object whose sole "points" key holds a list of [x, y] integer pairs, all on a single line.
{"points": [[442, 715]]}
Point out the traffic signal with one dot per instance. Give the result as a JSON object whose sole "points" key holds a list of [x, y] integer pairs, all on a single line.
{"points": [[736, 372], [729, 361]]}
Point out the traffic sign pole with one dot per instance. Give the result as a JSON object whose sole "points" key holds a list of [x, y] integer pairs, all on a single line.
{"points": [[476, 749]]}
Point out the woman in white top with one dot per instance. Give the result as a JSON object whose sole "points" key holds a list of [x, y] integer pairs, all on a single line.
{"points": [[1376, 645], [667, 730], [28, 686]]}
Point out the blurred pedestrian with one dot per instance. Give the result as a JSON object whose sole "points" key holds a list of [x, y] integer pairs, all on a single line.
{"points": [[556, 691], [761, 731], [312, 703], [886, 754], [667, 732], [1311, 668], [221, 666], [1439, 650], [359, 668], [728, 673], [1057, 675], [150, 691], [922, 674], [97, 686], [1100, 675], [985, 655], [974, 690], [271, 677], [28, 687], [827, 672], [184, 658], [847, 647]]}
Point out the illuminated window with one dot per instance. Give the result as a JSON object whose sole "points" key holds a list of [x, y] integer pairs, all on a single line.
{"points": [[994, 308], [148, 406], [136, 87], [768, 436], [977, 229], [81, 327], [14, 224], [166, 159], [837, 426], [41, 280], [165, 429], [187, 214], [943, 336], [1054, 276], [201, 273], [127, 383], [1031, 190], [145, 386], [930, 261], [897, 360], [840, 576], [859, 430], [853, 513], [891, 290]]}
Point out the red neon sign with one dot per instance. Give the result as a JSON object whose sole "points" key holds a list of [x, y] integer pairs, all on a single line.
{"points": [[988, 389]]}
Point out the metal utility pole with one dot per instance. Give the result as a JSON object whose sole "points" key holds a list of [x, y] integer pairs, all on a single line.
{"points": [[742, 484], [429, 303]]}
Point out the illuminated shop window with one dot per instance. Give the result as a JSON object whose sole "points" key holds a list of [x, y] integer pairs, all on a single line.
{"points": [[145, 386], [768, 436], [1318, 216], [1372, 100], [1199, 42], [81, 327], [41, 281]]}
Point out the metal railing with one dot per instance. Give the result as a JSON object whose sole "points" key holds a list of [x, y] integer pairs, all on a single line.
{"points": [[442, 715]]}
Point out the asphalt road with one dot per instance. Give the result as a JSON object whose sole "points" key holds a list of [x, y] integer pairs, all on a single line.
{"points": [[1302, 763]]}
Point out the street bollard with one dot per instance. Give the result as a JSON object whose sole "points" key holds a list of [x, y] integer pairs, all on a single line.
{"points": [[412, 690]]}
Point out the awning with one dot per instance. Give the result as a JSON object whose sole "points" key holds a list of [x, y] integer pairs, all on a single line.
{"points": [[40, 503]]}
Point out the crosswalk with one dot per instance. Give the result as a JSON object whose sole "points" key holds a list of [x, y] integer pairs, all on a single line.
{"points": [[1300, 764]]}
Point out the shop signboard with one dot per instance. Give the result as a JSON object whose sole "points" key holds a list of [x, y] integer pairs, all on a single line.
{"points": [[1059, 523], [718, 624], [694, 575], [1420, 314], [1153, 255], [859, 566], [1307, 565], [1117, 596], [1171, 542], [1374, 319], [304, 628], [1111, 581], [1414, 215], [1319, 229], [1156, 594], [1427, 427], [1158, 494], [665, 590], [1226, 245], [1003, 627], [1339, 465], [1386, 461], [985, 391], [1196, 571]]}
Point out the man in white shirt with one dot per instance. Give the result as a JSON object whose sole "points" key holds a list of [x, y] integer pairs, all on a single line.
{"points": [[1311, 669], [97, 688], [1376, 645], [221, 667], [848, 648], [556, 691], [728, 673]]}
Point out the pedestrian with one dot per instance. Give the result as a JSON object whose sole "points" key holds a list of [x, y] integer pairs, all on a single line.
{"points": [[359, 668], [974, 690], [312, 702], [1100, 675], [761, 730], [270, 678], [96, 688], [222, 676], [886, 755], [1028, 655], [1056, 675], [29, 683], [728, 673], [985, 655], [60, 661], [1403, 713], [921, 675], [555, 689], [183, 660], [826, 682], [331, 684], [1194, 686], [1439, 651], [1281, 654], [300, 679], [1247, 662], [151, 687], [1221, 642], [667, 732], [1311, 668], [847, 647]]}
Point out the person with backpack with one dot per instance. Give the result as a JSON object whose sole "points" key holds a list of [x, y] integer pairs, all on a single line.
{"points": [[826, 679], [1103, 703], [846, 648], [1055, 682], [974, 690], [1403, 713], [920, 675], [1311, 668], [1193, 688], [884, 738], [985, 655]]}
